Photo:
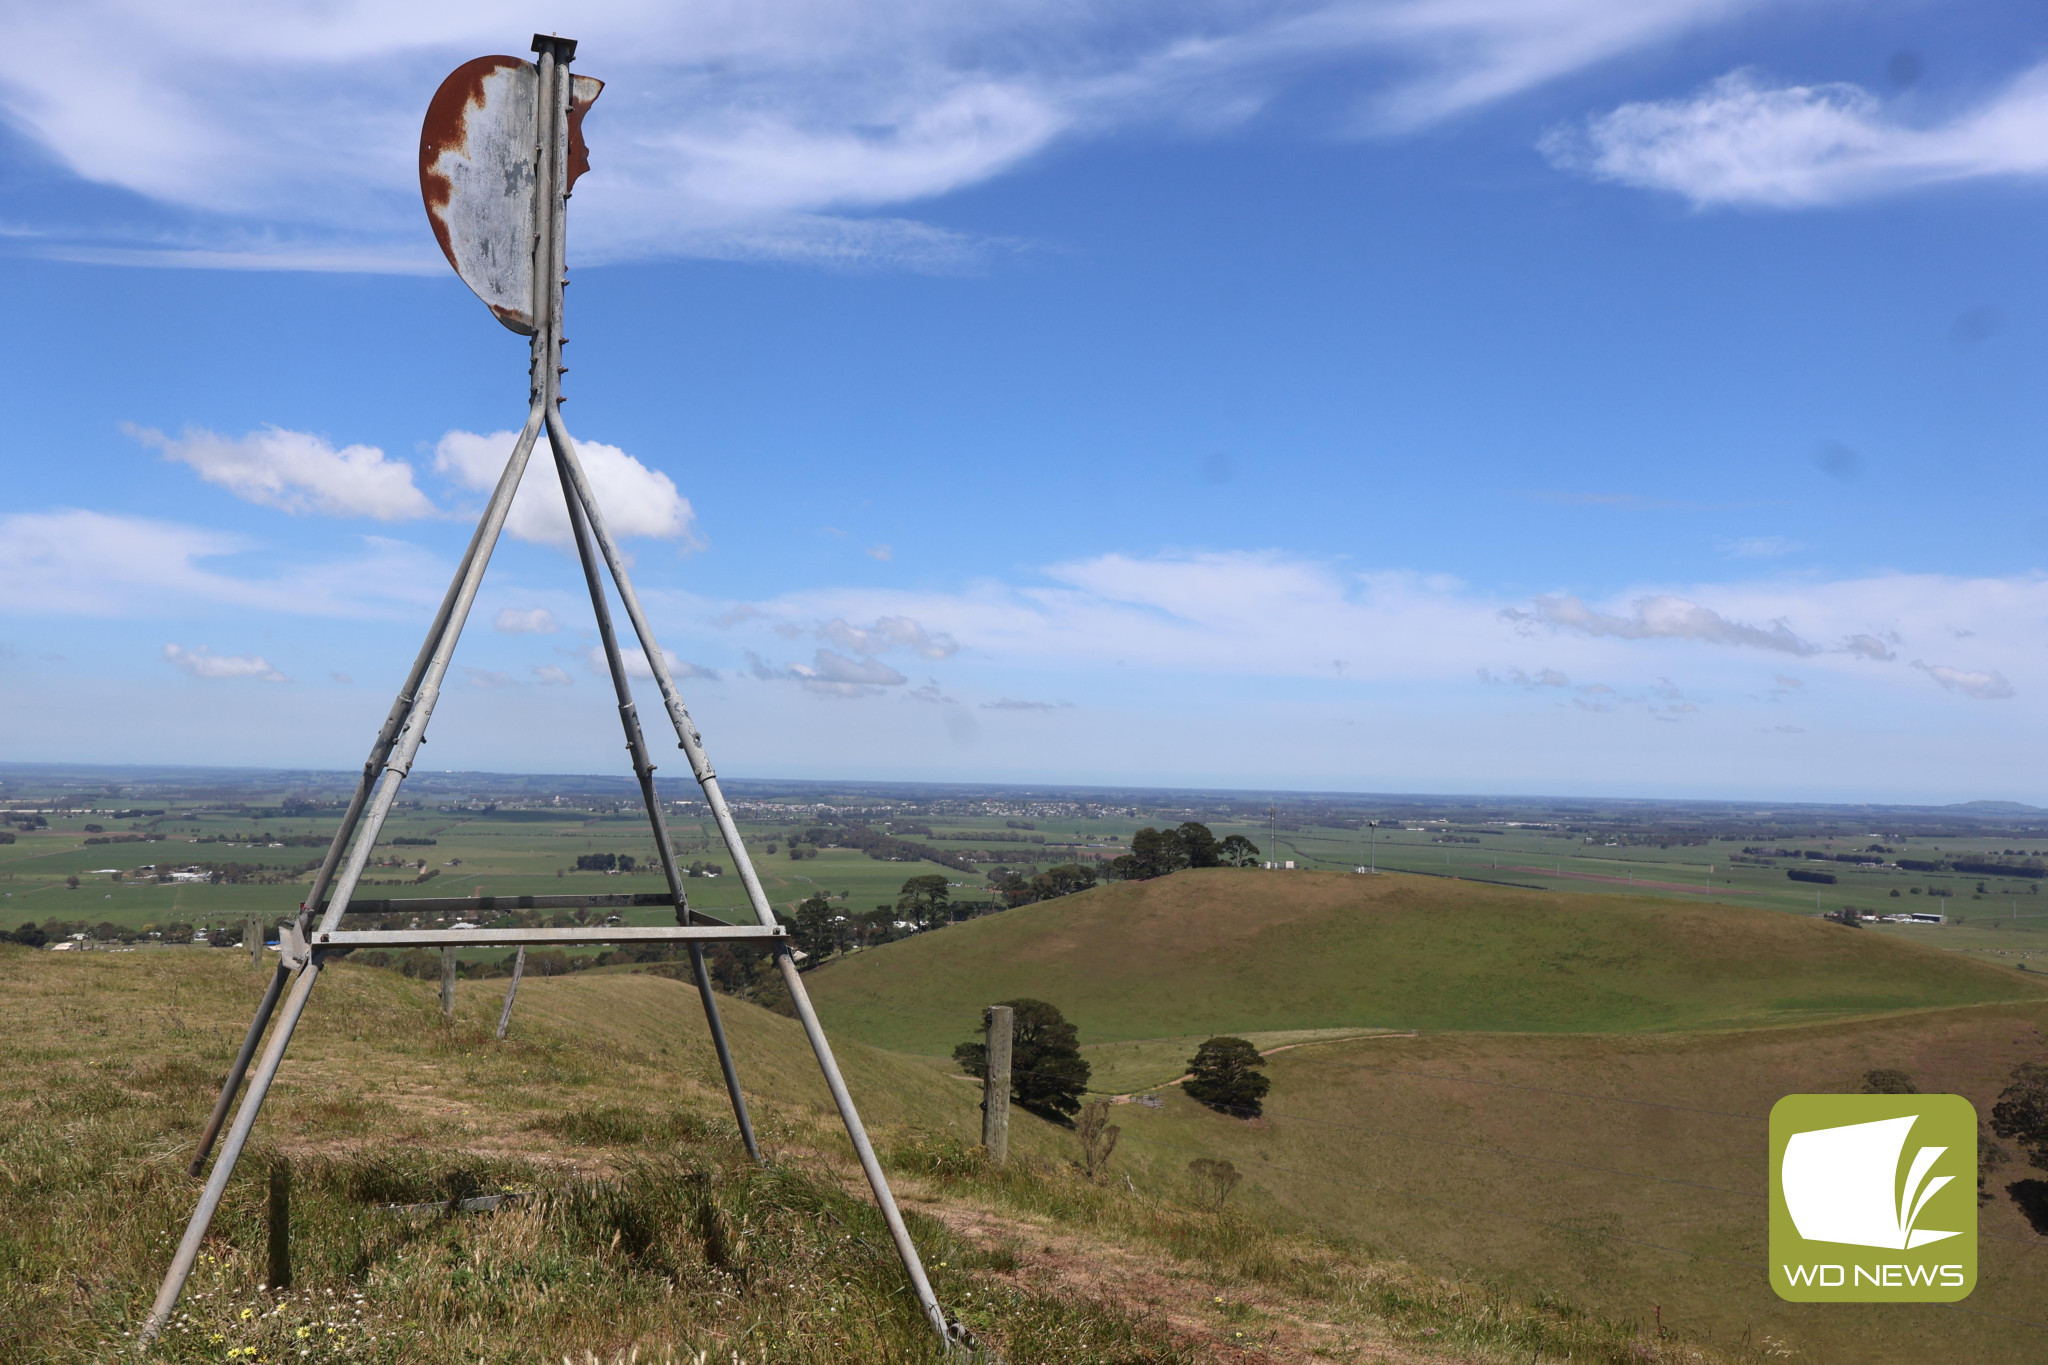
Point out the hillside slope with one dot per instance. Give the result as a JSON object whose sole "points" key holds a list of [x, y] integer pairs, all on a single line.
{"points": [[1228, 950]]}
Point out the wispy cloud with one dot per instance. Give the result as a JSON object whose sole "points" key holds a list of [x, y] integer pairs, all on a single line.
{"points": [[1761, 547], [737, 132], [1011, 704], [79, 562], [202, 662], [1660, 617], [525, 621], [1990, 686], [1743, 141], [635, 660]]}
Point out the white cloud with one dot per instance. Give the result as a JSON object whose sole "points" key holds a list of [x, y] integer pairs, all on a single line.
{"points": [[204, 663], [1248, 614], [635, 500], [1990, 686], [734, 131], [1869, 647], [635, 660], [832, 674], [547, 675], [1011, 704], [1659, 617], [887, 633], [77, 562], [880, 552], [1739, 141], [483, 677], [297, 471], [525, 621]]}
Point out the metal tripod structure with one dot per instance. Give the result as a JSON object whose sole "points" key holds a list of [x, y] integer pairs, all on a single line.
{"points": [[501, 149]]}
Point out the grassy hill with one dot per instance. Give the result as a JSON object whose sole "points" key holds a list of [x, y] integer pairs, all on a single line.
{"points": [[1227, 950], [646, 1234]]}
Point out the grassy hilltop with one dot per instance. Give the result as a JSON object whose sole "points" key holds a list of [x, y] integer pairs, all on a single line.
{"points": [[1576, 1105], [646, 1235], [1229, 950]]}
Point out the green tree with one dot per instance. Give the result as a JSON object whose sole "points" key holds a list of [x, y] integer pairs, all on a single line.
{"points": [[1888, 1080], [1225, 1074], [2021, 1114], [1047, 1072], [1238, 851], [1063, 880], [924, 899], [1196, 846], [818, 929]]}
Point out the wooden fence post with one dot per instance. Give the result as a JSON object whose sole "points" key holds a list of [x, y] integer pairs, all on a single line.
{"points": [[448, 983], [511, 992], [995, 1085], [254, 933], [279, 1275]]}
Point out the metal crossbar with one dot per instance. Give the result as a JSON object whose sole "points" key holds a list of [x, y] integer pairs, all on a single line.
{"points": [[525, 113], [462, 905], [511, 938]]}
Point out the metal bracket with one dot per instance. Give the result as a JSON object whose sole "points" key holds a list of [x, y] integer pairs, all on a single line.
{"points": [[291, 945]]}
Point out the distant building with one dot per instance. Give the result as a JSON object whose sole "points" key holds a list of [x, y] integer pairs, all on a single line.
{"points": [[1926, 917]]}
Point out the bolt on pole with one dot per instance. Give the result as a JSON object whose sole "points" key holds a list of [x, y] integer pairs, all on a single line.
{"points": [[995, 1084]]}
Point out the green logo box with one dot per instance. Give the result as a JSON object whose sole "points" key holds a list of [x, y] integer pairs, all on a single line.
{"points": [[1873, 1198]]}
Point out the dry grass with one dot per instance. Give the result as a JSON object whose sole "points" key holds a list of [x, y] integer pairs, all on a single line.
{"points": [[643, 1228]]}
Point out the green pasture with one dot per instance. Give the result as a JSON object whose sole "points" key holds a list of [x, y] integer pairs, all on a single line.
{"points": [[1227, 950]]}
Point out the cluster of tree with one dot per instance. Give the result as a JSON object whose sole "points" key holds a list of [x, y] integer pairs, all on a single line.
{"points": [[6, 836], [1048, 1074], [28, 823], [1997, 867], [604, 862], [415, 843], [990, 837], [1227, 1075], [1156, 852], [1802, 874], [1015, 889], [1847, 915], [879, 846], [287, 840], [2020, 1116], [122, 838]]}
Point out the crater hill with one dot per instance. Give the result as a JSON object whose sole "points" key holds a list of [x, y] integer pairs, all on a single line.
{"points": [[1247, 950]]}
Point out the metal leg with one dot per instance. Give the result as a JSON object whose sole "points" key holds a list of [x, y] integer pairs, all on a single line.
{"points": [[693, 746], [230, 1152], [397, 760], [512, 992], [732, 1077], [643, 768], [240, 1068]]}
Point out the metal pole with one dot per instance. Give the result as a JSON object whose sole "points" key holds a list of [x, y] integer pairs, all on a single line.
{"points": [[231, 1150], [995, 1084], [397, 763], [512, 992], [692, 744], [643, 768], [448, 983], [240, 1068], [380, 749]]}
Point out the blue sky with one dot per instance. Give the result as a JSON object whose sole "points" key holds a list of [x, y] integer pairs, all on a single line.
{"points": [[1565, 396]]}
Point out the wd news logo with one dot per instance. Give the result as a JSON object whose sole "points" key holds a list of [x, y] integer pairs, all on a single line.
{"points": [[1873, 1198]]}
